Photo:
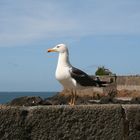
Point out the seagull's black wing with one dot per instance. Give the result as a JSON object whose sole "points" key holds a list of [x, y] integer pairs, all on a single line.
{"points": [[82, 78]]}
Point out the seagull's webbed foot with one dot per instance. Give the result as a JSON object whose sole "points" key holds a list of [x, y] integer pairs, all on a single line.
{"points": [[71, 104]]}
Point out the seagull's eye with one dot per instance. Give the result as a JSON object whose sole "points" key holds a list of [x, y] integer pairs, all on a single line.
{"points": [[58, 46]]}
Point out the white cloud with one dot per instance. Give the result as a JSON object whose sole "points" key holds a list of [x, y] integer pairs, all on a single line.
{"points": [[26, 21]]}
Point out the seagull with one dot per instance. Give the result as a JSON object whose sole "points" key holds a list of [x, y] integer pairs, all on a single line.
{"points": [[70, 77]]}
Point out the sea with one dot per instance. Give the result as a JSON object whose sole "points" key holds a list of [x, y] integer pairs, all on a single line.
{"points": [[6, 97]]}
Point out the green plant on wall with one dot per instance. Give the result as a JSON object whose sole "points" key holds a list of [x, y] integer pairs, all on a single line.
{"points": [[103, 71]]}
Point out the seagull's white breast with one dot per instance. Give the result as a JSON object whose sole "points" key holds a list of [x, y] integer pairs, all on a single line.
{"points": [[63, 76]]}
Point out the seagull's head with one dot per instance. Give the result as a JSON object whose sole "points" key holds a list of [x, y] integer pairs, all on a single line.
{"points": [[61, 48]]}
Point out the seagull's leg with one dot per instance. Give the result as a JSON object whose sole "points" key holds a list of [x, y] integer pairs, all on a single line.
{"points": [[74, 97], [71, 100]]}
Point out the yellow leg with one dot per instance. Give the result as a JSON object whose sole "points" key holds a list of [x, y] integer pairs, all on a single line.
{"points": [[72, 98]]}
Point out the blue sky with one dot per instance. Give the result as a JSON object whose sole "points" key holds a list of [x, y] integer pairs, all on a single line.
{"points": [[97, 32]]}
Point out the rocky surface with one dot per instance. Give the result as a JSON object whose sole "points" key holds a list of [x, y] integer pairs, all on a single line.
{"points": [[61, 123], [59, 99], [131, 122], [94, 117], [128, 93], [26, 101]]}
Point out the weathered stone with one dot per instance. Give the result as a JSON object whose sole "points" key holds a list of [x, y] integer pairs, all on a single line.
{"points": [[135, 100], [106, 100], [27, 101], [132, 122], [58, 99], [99, 122]]}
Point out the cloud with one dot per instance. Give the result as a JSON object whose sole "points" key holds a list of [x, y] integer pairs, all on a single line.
{"points": [[22, 22]]}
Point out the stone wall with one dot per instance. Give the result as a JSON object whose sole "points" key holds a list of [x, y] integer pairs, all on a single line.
{"points": [[125, 82], [122, 85], [128, 87], [96, 122], [128, 80], [128, 83]]}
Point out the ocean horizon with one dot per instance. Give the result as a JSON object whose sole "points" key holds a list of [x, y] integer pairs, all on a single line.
{"points": [[6, 97]]}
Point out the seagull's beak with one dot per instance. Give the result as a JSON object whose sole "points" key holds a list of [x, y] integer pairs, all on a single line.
{"points": [[51, 50]]}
